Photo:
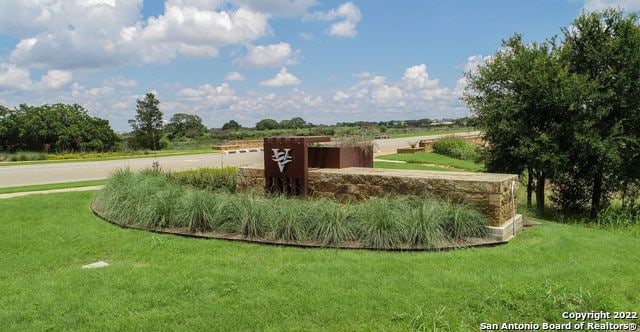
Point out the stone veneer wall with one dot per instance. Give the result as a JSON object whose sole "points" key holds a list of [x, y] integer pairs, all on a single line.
{"points": [[490, 193]]}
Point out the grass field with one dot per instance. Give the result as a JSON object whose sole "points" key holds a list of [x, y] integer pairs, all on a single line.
{"points": [[115, 156], [51, 186], [434, 159], [164, 282]]}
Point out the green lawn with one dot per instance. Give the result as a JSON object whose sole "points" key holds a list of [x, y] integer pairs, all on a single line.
{"points": [[164, 282], [117, 156], [50, 186], [433, 158]]}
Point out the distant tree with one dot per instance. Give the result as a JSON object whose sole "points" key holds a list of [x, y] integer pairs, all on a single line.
{"points": [[231, 125], [185, 125], [296, 123], [267, 124], [58, 127], [147, 125]]}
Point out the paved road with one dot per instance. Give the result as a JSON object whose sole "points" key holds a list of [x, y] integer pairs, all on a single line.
{"points": [[91, 170]]}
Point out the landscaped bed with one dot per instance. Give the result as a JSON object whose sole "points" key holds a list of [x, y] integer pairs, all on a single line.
{"points": [[185, 204]]}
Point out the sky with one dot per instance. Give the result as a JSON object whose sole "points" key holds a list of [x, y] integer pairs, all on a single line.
{"points": [[246, 60]]}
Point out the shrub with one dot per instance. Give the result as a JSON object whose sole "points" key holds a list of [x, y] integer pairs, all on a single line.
{"points": [[334, 223], [461, 221], [425, 224], [207, 178], [22, 156], [196, 210], [152, 199], [456, 147], [381, 224]]}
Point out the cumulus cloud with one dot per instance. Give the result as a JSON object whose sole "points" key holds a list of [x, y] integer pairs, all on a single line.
{"points": [[13, 77], [472, 64], [62, 34], [234, 76], [56, 79], [594, 5], [283, 78], [274, 55], [348, 16]]}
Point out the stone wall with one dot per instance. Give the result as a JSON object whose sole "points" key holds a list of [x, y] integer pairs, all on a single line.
{"points": [[490, 193]]}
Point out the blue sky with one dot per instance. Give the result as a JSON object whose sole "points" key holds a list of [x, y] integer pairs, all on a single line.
{"points": [[326, 61]]}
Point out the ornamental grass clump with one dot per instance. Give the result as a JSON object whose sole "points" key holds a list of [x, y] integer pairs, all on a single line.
{"points": [[152, 200], [460, 221], [197, 210], [207, 178], [334, 224], [381, 222], [424, 226], [289, 221]]}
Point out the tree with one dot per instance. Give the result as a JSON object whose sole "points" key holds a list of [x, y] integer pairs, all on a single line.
{"points": [[568, 113], [604, 47], [185, 125], [267, 124], [147, 125], [58, 127], [231, 125], [521, 100], [294, 123]]}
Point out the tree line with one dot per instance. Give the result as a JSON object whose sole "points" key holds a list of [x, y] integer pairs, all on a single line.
{"points": [[566, 111]]}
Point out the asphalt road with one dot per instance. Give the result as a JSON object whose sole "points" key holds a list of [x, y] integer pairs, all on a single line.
{"points": [[91, 170]]}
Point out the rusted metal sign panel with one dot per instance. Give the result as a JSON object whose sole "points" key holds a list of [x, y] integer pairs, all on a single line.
{"points": [[286, 163]]}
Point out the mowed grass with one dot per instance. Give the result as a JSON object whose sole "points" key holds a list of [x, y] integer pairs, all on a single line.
{"points": [[114, 156], [51, 186], [432, 158], [164, 282]]}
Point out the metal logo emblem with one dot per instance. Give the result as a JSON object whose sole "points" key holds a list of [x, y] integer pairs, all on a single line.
{"points": [[281, 157]]}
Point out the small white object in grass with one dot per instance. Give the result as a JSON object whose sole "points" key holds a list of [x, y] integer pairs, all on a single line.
{"points": [[95, 265]]}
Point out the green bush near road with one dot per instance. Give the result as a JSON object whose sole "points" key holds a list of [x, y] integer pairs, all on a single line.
{"points": [[154, 199], [207, 178], [456, 147]]}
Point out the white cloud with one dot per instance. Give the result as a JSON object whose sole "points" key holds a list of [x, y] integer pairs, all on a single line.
{"points": [[340, 96], [274, 55], [62, 34], [55, 79], [234, 76], [472, 64], [12, 77], [348, 15], [197, 32], [594, 5], [209, 96], [283, 78]]}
